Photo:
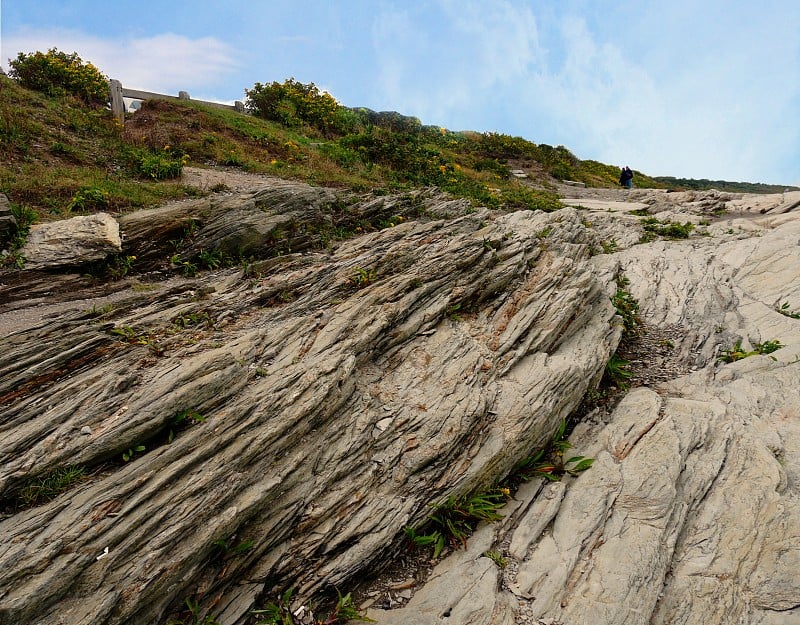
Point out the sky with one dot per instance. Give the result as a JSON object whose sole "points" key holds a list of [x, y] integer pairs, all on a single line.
{"points": [[684, 88]]}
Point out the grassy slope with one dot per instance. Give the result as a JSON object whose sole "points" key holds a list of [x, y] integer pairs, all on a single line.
{"points": [[58, 158]]}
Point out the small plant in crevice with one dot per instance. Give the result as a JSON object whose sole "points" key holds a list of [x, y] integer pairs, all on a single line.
{"points": [[119, 266], [627, 308], [452, 312], [183, 420], [737, 352], [786, 310], [46, 487], [95, 312], [185, 266], [550, 463], [455, 519], [610, 246], [497, 558], [280, 612], [136, 337], [227, 548], [361, 278], [617, 372], [193, 319], [193, 615], [210, 259], [132, 452]]}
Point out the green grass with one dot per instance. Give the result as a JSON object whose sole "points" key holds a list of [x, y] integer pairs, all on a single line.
{"points": [[47, 487], [454, 520]]}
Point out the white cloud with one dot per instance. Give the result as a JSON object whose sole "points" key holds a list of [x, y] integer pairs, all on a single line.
{"points": [[165, 63]]}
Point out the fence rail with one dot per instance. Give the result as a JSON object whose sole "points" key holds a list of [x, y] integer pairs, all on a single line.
{"points": [[117, 92]]}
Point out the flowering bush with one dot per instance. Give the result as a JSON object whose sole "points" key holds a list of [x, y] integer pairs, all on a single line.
{"points": [[58, 73], [295, 104]]}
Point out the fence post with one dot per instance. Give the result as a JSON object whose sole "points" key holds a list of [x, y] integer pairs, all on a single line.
{"points": [[117, 103]]}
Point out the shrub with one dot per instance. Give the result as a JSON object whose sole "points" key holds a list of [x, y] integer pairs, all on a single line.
{"points": [[58, 73], [295, 104]]}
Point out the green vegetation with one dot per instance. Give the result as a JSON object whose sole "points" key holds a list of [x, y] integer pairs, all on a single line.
{"points": [[627, 308], [654, 228], [57, 73], [497, 558], [455, 519], [361, 278], [59, 157], [192, 615], [786, 310], [721, 185], [227, 548], [550, 463], [737, 352], [617, 372], [132, 452], [41, 489], [280, 612], [182, 421]]}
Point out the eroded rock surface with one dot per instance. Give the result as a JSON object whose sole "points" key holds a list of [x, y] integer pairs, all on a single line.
{"points": [[314, 404], [690, 511]]}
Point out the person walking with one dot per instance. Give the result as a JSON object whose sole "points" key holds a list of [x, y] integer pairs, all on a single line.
{"points": [[626, 177]]}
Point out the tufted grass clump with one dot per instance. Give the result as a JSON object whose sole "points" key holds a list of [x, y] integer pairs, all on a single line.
{"points": [[654, 228], [455, 519], [49, 486]]}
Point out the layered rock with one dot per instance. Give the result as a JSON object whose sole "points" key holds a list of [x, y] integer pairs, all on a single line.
{"points": [[690, 511], [310, 406], [336, 395]]}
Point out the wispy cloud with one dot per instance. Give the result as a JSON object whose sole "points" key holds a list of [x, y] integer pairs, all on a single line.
{"points": [[165, 62], [438, 75]]}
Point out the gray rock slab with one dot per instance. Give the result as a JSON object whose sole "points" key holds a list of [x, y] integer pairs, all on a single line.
{"points": [[72, 241]]}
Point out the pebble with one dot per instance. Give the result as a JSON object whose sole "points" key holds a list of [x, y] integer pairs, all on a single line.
{"points": [[86, 430]]}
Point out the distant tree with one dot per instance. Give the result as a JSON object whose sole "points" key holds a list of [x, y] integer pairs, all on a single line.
{"points": [[57, 73]]}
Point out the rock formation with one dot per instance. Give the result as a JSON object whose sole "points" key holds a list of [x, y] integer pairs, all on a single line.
{"points": [[311, 405]]}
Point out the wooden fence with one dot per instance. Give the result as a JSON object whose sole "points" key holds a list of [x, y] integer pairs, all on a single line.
{"points": [[118, 92]]}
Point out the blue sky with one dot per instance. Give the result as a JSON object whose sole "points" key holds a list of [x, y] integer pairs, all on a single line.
{"points": [[688, 88]]}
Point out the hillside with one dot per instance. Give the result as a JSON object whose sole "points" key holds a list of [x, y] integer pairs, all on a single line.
{"points": [[60, 158], [723, 185]]}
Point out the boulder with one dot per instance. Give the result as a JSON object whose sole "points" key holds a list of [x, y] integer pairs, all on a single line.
{"points": [[74, 241]]}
